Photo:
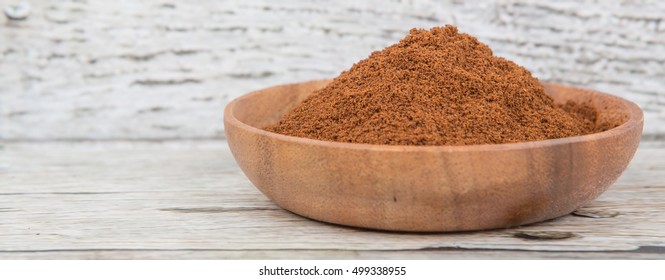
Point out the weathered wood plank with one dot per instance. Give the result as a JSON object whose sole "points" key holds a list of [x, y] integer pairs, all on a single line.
{"points": [[330, 254], [158, 69], [168, 200]]}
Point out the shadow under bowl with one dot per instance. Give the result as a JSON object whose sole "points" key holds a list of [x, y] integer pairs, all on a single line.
{"points": [[428, 188]]}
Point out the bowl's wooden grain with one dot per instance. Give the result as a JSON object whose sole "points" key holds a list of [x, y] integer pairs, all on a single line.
{"points": [[428, 188]]}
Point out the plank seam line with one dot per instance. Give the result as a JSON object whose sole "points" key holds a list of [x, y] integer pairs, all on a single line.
{"points": [[641, 249]]}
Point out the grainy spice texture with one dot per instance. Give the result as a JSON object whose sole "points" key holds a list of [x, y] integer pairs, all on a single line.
{"points": [[435, 87]]}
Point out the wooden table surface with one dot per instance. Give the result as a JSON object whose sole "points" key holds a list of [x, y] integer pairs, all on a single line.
{"points": [[189, 200]]}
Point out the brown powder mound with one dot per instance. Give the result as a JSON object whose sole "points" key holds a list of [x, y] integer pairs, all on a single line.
{"points": [[436, 87]]}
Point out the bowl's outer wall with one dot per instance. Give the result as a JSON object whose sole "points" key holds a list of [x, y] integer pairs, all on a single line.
{"points": [[429, 189]]}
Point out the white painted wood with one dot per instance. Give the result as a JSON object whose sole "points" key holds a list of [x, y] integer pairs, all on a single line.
{"points": [[190, 200], [158, 69], [328, 254]]}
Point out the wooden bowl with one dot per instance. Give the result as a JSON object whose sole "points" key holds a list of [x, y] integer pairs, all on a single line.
{"points": [[428, 188]]}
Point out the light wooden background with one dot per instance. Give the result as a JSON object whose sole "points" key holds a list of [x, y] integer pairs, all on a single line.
{"points": [[117, 73], [164, 69], [189, 200]]}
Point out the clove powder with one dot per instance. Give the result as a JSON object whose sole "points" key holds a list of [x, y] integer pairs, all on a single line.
{"points": [[436, 87]]}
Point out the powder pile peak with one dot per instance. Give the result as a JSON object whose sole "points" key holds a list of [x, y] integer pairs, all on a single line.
{"points": [[435, 87]]}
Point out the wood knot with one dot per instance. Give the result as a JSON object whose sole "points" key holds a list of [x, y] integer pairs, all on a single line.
{"points": [[598, 214], [543, 235], [19, 11]]}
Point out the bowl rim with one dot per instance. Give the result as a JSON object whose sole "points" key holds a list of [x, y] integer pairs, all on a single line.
{"points": [[635, 118]]}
